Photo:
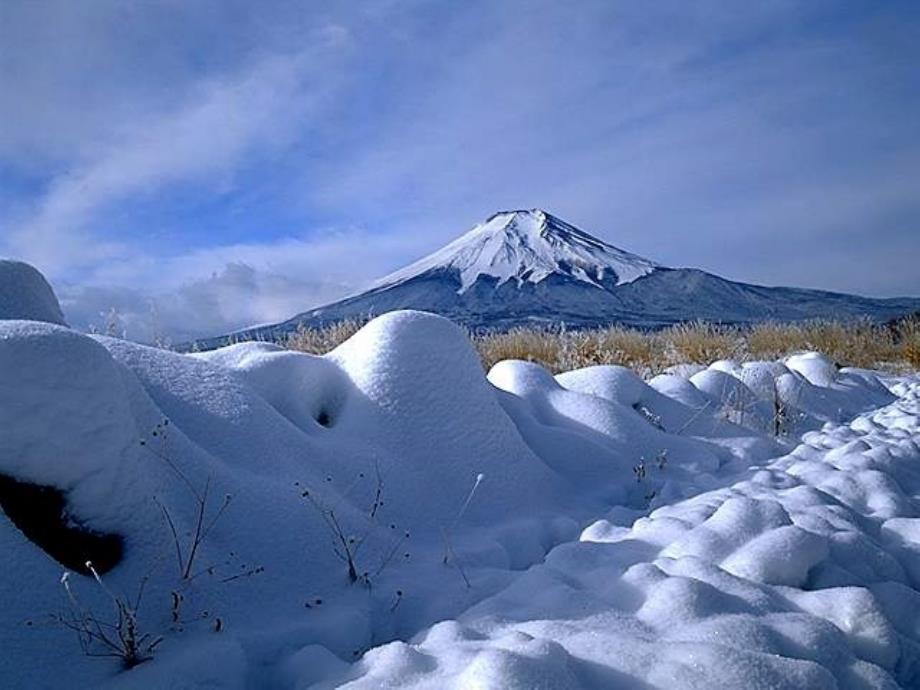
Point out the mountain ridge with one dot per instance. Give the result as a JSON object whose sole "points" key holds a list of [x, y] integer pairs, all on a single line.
{"points": [[529, 267]]}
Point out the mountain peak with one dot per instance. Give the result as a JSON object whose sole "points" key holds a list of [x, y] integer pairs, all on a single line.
{"points": [[537, 214], [528, 245]]}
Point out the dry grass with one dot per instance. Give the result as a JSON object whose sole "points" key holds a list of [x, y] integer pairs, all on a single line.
{"points": [[859, 344], [560, 350], [773, 340], [319, 341], [541, 346], [614, 345], [908, 338], [702, 343]]}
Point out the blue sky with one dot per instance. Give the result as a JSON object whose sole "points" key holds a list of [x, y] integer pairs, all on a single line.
{"points": [[202, 165]]}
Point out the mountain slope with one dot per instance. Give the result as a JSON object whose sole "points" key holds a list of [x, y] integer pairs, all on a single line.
{"points": [[527, 247], [529, 267]]}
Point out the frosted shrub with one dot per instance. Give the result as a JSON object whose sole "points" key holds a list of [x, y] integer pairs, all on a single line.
{"points": [[207, 515], [348, 541], [118, 636], [446, 532], [642, 472]]}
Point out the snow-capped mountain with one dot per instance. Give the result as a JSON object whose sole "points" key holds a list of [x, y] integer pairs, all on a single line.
{"points": [[527, 246], [530, 267]]}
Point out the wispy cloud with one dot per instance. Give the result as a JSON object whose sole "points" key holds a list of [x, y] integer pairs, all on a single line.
{"points": [[225, 288], [204, 141], [236, 296], [195, 154]]}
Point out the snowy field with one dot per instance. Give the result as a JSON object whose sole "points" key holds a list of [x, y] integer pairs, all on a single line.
{"points": [[388, 515]]}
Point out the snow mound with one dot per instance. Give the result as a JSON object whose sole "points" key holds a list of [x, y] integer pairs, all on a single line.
{"points": [[25, 294], [414, 364], [65, 416], [421, 394], [389, 515], [815, 367], [767, 582], [309, 391]]}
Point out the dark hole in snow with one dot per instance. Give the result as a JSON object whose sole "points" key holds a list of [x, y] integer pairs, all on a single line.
{"points": [[40, 512], [323, 419]]}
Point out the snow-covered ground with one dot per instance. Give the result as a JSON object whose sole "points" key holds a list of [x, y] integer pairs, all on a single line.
{"points": [[752, 526]]}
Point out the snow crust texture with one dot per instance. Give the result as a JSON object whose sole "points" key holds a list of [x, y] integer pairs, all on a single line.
{"points": [[802, 574], [741, 525]]}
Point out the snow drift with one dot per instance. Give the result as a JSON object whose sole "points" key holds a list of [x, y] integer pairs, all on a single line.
{"points": [[25, 294], [747, 525]]}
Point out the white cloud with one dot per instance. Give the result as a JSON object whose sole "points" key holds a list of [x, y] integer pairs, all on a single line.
{"points": [[236, 296], [203, 141], [214, 291]]}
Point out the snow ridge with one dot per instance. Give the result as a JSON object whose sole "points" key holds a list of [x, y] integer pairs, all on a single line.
{"points": [[528, 246]]}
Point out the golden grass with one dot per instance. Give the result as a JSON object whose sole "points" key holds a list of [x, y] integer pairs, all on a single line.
{"points": [[908, 337], [702, 343], [532, 345], [859, 344], [773, 340], [319, 341], [613, 345]]}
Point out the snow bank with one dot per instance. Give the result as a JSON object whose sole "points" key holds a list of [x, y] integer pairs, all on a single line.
{"points": [[309, 391], [65, 416], [768, 582], [741, 525], [422, 396], [25, 294]]}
